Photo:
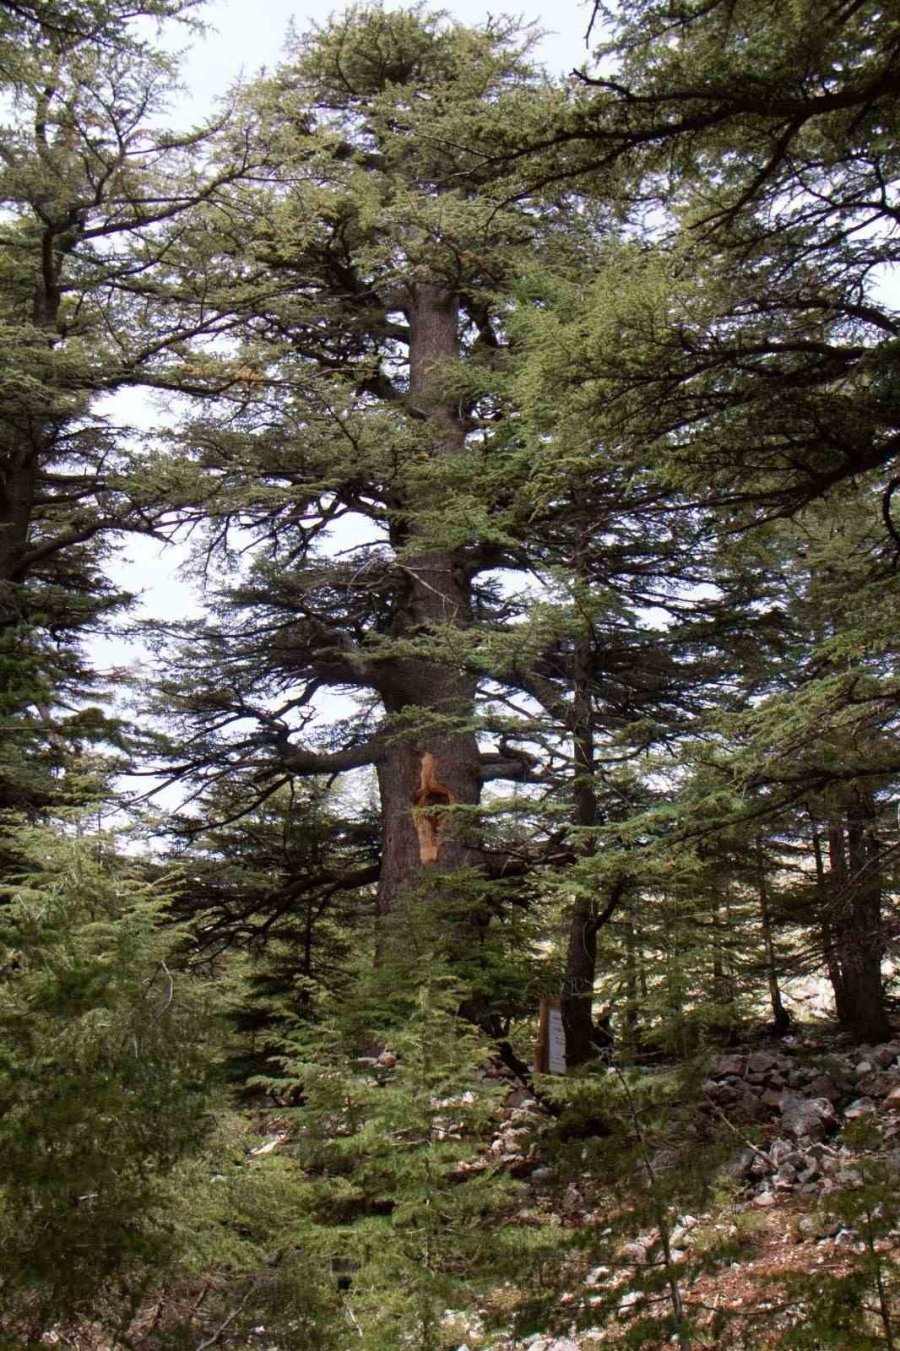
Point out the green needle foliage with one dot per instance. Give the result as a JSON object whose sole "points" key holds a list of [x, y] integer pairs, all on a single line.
{"points": [[398, 1191], [553, 431], [108, 1056]]}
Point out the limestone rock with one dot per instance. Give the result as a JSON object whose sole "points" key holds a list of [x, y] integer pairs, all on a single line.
{"points": [[858, 1108], [751, 1109], [812, 1118], [723, 1065], [823, 1086], [761, 1063]]}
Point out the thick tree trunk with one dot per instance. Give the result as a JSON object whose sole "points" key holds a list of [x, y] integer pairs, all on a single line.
{"points": [[851, 921], [429, 770], [577, 999], [424, 777]]}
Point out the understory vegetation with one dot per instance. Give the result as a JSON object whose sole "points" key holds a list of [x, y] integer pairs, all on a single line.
{"points": [[477, 930]]}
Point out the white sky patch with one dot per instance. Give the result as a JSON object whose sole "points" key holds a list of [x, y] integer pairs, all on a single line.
{"points": [[243, 38]]}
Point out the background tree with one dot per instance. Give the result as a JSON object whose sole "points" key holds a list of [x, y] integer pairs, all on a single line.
{"points": [[738, 369], [86, 180]]}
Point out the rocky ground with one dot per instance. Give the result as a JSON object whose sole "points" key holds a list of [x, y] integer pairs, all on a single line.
{"points": [[793, 1111], [807, 1139], [806, 1105]]}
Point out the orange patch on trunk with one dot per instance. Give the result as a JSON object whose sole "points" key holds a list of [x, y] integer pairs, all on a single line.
{"points": [[430, 795]]}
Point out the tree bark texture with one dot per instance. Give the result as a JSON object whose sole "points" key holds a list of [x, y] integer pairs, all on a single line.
{"points": [[425, 776], [854, 915], [581, 957]]}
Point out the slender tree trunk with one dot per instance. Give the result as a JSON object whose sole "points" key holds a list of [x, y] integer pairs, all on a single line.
{"points": [[722, 983], [635, 979], [581, 958], [674, 984], [781, 1019], [827, 929]]}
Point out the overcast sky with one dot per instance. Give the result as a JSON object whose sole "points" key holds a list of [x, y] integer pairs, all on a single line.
{"points": [[243, 37], [249, 34]]}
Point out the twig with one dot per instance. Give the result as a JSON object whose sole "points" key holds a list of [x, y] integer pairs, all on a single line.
{"points": [[354, 1321], [741, 1136], [211, 1341]]}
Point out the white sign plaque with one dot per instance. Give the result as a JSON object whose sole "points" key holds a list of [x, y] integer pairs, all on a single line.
{"points": [[550, 1048], [556, 1042]]}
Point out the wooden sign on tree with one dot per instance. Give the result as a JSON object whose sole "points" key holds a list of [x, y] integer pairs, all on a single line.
{"points": [[550, 1049]]}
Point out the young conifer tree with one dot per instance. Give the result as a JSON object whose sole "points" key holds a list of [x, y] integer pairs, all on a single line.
{"points": [[108, 1057], [401, 1194]]}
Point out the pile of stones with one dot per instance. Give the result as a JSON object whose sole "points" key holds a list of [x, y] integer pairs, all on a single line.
{"points": [[805, 1100]]}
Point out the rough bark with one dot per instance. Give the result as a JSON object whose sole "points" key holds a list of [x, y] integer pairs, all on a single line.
{"points": [[581, 957], [851, 920], [577, 999], [422, 780], [427, 772], [858, 927]]}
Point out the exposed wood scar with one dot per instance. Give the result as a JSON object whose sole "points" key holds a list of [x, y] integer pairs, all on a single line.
{"points": [[429, 797]]}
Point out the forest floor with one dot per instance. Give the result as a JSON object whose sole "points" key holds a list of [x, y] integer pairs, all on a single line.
{"points": [[798, 1240], [753, 1205]]}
